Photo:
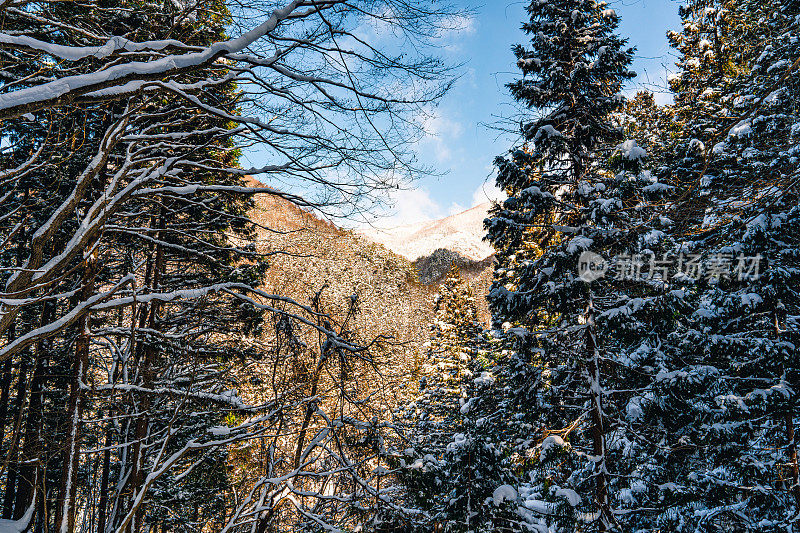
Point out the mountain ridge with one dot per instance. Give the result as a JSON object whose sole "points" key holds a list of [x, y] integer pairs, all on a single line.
{"points": [[460, 232], [315, 252]]}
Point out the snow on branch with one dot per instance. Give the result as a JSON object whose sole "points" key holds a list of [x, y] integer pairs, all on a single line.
{"points": [[66, 89]]}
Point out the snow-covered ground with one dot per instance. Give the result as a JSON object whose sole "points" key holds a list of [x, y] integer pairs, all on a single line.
{"points": [[462, 233]]}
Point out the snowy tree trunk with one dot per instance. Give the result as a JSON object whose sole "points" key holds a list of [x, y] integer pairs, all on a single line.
{"points": [[65, 511], [605, 518]]}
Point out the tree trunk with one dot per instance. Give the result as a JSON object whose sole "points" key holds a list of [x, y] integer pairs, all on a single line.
{"points": [[65, 510], [31, 448], [606, 518], [5, 391], [5, 396], [5, 386], [103, 503], [146, 378], [12, 458]]}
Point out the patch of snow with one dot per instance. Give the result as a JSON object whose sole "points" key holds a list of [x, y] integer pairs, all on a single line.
{"points": [[504, 493], [634, 408], [486, 378], [579, 244], [548, 131], [21, 525], [631, 150], [529, 62], [533, 190], [751, 299], [459, 441], [572, 497], [467, 406], [669, 376], [783, 63], [553, 441], [538, 506], [697, 145], [656, 187], [742, 129], [710, 219], [774, 97], [654, 236]]}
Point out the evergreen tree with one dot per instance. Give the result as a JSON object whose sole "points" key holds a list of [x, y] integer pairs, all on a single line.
{"points": [[651, 126], [564, 201], [453, 331], [737, 380], [448, 469], [182, 243]]}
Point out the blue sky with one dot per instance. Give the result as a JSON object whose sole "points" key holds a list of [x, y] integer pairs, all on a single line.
{"points": [[462, 145]]}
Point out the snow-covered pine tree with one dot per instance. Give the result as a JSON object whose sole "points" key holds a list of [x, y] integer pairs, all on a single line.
{"points": [[562, 203], [740, 374], [716, 45], [444, 474], [650, 125], [712, 53], [454, 328]]}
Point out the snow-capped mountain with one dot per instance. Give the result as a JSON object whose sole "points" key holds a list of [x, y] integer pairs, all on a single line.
{"points": [[462, 233]]}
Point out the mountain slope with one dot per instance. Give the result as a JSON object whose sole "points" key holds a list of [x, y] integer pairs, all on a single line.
{"points": [[396, 294], [461, 233]]}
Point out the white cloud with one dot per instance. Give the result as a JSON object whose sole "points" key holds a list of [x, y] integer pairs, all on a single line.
{"points": [[453, 29], [487, 192], [440, 131], [386, 27], [455, 208], [410, 206]]}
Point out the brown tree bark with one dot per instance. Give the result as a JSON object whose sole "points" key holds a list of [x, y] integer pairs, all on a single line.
{"points": [[102, 505], [31, 447], [146, 376], [12, 458], [5, 393], [65, 510], [605, 521]]}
